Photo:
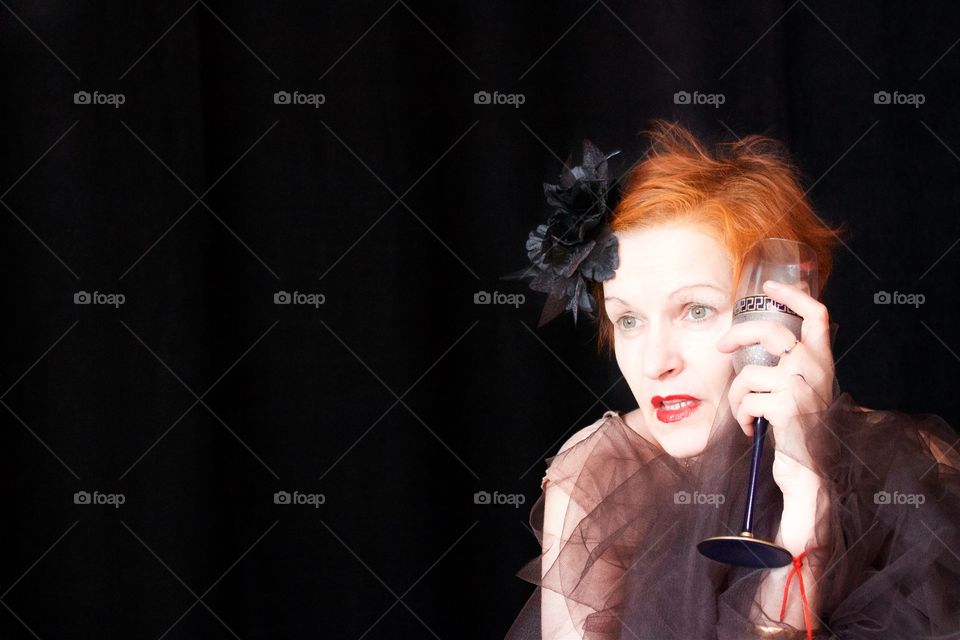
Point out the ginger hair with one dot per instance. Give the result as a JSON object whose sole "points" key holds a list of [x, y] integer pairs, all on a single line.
{"points": [[740, 192]]}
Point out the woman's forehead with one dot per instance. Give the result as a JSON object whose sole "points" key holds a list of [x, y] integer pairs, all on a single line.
{"points": [[664, 259]]}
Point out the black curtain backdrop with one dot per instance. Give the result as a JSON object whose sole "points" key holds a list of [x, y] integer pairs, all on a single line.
{"points": [[153, 167]]}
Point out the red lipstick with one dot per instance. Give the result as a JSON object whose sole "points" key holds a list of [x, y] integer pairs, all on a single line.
{"points": [[686, 405]]}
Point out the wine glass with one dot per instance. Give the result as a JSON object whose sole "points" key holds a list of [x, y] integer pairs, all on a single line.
{"points": [[792, 263]]}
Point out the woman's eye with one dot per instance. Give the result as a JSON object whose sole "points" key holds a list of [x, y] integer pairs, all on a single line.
{"points": [[621, 319], [699, 312]]}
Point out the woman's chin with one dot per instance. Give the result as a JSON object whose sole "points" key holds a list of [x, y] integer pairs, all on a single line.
{"points": [[682, 439], [686, 451]]}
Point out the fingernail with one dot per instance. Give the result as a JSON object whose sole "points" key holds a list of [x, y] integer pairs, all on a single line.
{"points": [[773, 284]]}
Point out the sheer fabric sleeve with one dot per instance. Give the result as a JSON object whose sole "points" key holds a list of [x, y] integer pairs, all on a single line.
{"points": [[887, 563], [625, 563], [580, 570]]}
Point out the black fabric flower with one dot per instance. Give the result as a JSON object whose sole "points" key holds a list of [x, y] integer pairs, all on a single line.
{"points": [[576, 243]]}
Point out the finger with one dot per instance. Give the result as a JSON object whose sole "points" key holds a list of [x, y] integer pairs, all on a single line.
{"points": [[815, 330], [773, 335], [753, 406], [775, 407], [755, 378]]}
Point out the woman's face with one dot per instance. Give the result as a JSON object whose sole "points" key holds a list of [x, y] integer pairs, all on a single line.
{"points": [[670, 302]]}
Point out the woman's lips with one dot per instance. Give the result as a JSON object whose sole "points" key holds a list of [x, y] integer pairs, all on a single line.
{"points": [[690, 404]]}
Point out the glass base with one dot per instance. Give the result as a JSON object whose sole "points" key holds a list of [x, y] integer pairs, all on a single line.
{"points": [[745, 551]]}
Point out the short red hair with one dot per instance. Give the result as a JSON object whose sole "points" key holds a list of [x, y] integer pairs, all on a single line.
{"points": [[742, 192]]}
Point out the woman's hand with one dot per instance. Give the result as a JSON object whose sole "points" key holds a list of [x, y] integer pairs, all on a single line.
{"points": [[801, 382]]}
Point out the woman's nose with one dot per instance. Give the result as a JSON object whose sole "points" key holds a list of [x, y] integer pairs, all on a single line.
{"points": [[660, 355]]}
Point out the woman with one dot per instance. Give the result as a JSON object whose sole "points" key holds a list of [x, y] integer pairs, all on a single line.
{"points": [[867, 502]]}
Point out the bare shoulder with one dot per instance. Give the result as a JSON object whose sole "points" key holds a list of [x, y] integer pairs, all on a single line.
{"points": [[558, 469], [581, 435]]}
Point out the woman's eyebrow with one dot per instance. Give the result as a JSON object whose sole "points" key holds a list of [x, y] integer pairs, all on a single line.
{"points": [[681, 289], [701, 284]]}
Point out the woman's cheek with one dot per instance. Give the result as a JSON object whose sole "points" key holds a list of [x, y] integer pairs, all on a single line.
{"points": [[713, 366], [628, 358]]}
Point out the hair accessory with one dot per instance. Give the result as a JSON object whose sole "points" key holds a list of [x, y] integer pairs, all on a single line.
{"points": [[576, 243]]}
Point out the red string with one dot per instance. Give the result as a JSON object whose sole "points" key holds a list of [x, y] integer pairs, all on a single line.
{"points": [[797, 567]]}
